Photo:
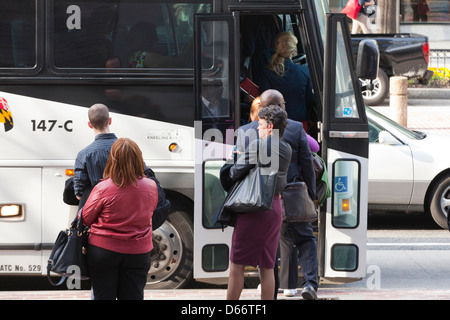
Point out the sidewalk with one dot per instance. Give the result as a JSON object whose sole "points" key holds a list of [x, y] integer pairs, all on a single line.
{"points": [[432, 119], [247, 294], [428, 110]]}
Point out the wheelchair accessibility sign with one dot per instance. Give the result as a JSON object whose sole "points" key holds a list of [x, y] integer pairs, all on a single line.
{"points": [[347, 112], [340, 184]]}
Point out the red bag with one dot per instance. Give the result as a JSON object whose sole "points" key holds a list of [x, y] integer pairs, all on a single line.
{"points": [[352, 9]]}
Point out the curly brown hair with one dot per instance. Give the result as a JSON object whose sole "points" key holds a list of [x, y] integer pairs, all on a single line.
{"points": [[275, 115]]}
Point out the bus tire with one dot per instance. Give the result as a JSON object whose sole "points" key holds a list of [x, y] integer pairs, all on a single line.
{"points": [[172, 254]]}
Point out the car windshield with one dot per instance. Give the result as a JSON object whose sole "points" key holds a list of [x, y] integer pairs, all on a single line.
{"points": [[417, 135]]}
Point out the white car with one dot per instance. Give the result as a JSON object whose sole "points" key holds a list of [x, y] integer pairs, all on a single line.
{"points": [[408, 170]]}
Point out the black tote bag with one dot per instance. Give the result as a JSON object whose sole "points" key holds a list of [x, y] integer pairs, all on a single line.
{"points": [[254, 193], [69, 250]]}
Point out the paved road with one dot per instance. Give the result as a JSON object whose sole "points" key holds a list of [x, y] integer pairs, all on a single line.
{"points": [[405, 251]]}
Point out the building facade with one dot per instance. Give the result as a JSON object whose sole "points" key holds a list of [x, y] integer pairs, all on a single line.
{"points": [[426, 17]]}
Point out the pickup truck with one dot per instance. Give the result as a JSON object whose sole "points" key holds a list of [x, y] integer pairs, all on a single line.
{"points": [[401, 54]]}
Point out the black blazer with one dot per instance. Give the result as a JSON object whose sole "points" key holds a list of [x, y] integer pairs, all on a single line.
{"points": [[269, 154], [301, 165], [246, 134]]}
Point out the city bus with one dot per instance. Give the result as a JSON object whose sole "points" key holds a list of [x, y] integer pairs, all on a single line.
{"points": [[153, 62]]}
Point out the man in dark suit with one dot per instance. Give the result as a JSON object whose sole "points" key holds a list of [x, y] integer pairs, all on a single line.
{"points": [[297, 240]]}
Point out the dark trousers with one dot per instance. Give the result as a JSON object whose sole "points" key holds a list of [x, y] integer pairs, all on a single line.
{"points": [[117, 276], [298, 245]]}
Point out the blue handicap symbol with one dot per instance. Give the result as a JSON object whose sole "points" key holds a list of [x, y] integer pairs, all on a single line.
{"points": [[347, 111], [340, 184]]}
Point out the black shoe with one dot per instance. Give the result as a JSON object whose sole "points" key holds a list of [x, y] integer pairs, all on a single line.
{"points": [[309, 293]]}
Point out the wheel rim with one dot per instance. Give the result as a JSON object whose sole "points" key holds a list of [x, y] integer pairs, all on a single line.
{"points": [[166, 254], [371, 94], [445, 201]]}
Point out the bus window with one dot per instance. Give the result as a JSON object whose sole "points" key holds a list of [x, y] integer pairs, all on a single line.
{"points": [[346, 193], [215, 87], [213, 192], [18, 34], [124, 34], [345, 96], [215, 257]]}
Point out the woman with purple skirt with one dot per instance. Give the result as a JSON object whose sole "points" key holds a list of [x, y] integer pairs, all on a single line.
{"points": [[255, 235]]}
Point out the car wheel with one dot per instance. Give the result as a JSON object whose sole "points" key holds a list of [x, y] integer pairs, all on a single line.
{"points": [[439, 204], [378, 93], [172, 254]]}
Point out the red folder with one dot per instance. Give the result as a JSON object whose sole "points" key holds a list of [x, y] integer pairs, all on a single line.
{"points": [[250, 88]]}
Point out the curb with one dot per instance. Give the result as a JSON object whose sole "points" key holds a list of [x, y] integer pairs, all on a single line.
{"points": [[429, 93]]}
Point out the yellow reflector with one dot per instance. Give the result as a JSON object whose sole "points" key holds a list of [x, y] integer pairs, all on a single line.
{"points": [[345, 204], [69, 172], [173, 147]]}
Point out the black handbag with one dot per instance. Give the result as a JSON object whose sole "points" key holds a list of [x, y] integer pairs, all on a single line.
{"points": [[69, 250], [69, 193], [254, 193], [369, 11], [224, 216], [297, 204]]}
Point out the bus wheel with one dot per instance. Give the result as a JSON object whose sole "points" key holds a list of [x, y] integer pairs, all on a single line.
{"points": [[172, 254]]}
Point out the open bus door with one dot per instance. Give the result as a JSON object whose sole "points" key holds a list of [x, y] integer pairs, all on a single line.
{"points": [[344, 132], [217, 114], [343, 227]]}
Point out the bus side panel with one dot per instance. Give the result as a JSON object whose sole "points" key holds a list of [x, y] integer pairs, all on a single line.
{"points": [[49, 130], [56, 215], [42, 143], [21, 234]]}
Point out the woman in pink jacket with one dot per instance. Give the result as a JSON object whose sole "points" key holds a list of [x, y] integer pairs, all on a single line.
{"points": [[360, 21], [119, 212]]}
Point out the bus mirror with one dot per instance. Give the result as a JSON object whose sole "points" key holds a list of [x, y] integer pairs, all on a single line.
{"points": [[368, 60]]}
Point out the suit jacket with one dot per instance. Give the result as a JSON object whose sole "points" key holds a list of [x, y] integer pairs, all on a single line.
{"points": [[301, 166], [295, 86]]}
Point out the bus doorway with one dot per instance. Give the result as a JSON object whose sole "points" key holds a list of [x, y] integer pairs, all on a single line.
{"points": [[340, 125]]}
